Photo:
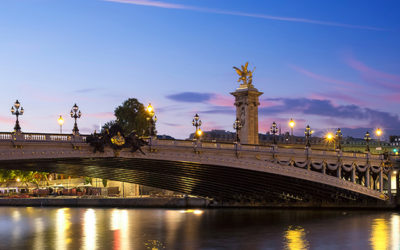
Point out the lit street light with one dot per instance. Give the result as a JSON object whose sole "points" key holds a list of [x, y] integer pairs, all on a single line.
{"points": [[379, 133], [274, 131], [151, 119], [75, 114], [196, 122], [60, 121], [291, 125], [17, 112], [367, 138], [329, 138], [308, 132]]}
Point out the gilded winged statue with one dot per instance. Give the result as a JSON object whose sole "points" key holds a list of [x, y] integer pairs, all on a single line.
{"points": [[245, 75]]}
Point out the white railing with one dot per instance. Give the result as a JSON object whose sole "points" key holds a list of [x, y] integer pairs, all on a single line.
{"points": [[37, 137]]}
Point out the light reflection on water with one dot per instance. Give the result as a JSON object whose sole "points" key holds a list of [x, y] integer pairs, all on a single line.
{"points": [[89, 228]]}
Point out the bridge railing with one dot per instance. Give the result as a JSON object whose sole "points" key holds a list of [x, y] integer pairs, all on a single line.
{"points": [[41, 137]]}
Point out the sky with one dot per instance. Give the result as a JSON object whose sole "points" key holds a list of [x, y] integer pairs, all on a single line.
{"points": [[328, 64]]}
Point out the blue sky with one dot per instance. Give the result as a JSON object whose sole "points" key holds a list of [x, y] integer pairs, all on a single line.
{"points": [[325, 63]]}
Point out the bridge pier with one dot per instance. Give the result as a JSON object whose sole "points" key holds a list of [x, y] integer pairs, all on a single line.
{"points": [[339, 171], [381, 180], [367, 178], [353, 174], [389, 176]]}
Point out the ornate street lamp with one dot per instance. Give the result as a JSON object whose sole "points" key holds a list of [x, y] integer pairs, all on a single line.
{"points": [[308, 132], [75, 114], [60, 121], [367, 138], [274, 131], [17, 112], [237, 126], [151, 119], [379, 133], [196, 122], [291, 125], [339, 136]]}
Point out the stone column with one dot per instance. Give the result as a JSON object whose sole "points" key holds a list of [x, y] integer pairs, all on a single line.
{"points": [[381, 180], [353, 174], [367, 178], [389, 176], [247, 102]]}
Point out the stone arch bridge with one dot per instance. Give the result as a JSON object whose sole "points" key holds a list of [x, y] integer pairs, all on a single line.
{"points": [[222, 171]]}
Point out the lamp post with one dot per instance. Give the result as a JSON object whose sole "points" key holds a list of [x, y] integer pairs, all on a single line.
{"points": [[339, 136], [75, 113], [274, 131], [237, 126], [151, 119], [17, 112], [308, 132], [291, 125], [329, 139], [367, 138], [378, 133], [196, 122], [60, 121]]}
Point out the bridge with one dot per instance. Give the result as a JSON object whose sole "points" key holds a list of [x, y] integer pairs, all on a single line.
{"points": [[222, 171]]}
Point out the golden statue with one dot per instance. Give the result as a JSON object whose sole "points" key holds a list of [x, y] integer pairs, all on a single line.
{"points": [[118, 139], [245, 75]]}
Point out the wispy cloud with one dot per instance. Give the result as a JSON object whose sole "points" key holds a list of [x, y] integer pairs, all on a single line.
{"points": [[166, 5], [373, 76], [323, 78], [190, 97]]}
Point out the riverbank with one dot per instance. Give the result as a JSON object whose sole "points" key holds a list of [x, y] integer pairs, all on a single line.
{"points": [[173, 202]]}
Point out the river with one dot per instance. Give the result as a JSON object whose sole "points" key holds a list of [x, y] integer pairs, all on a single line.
{"points": [[94, 228]]}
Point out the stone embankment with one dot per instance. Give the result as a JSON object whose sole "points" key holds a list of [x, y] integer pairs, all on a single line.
{"points": [[173, 202]]}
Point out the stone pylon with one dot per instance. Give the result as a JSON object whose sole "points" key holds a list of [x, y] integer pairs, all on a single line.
{"points": [[247, 102]]}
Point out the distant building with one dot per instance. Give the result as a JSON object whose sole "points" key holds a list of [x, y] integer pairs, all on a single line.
{"points": [[394, 140], [165, 137]]}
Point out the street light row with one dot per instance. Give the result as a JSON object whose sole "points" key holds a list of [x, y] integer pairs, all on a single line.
{"points": [[75, 113], [196, 122]]}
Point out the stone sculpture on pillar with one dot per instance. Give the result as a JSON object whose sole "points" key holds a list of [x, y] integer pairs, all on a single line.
{"points": [[247, 102]]}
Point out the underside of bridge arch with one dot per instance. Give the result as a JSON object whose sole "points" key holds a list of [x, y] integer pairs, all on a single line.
{"points": [[218, 182]]}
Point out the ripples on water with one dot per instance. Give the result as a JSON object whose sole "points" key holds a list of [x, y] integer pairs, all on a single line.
{"points": [[86, 228]]}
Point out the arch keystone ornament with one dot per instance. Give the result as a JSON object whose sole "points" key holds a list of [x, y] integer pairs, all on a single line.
{"points": [[247, 102]]}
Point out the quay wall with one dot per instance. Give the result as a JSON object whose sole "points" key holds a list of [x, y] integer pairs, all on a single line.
{"points": [[189, 202]]}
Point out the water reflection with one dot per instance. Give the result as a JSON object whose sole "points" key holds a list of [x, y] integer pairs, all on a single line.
{"points": [[379, 234], [38, 242], [295, 238], [62, 226], [120, 228], [395, 236], [80, 228], [89, 229]]}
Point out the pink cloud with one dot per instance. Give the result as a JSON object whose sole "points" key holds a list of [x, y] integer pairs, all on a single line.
{"points": [[222, 100], [323, 78], [387, 80], [6, 119]]}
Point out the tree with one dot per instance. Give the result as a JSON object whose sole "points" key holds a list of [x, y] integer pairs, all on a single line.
{"points": [[131, 116]]}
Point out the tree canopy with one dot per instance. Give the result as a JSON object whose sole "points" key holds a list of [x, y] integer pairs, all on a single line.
{"points": [[131, 116]]}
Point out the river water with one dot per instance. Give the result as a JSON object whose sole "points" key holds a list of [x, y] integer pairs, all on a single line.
{"points": [[93, 228]]}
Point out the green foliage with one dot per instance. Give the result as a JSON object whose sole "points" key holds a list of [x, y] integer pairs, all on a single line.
{"points": [[104, 182], [88, 180], [131, 116], [24, 176]]}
